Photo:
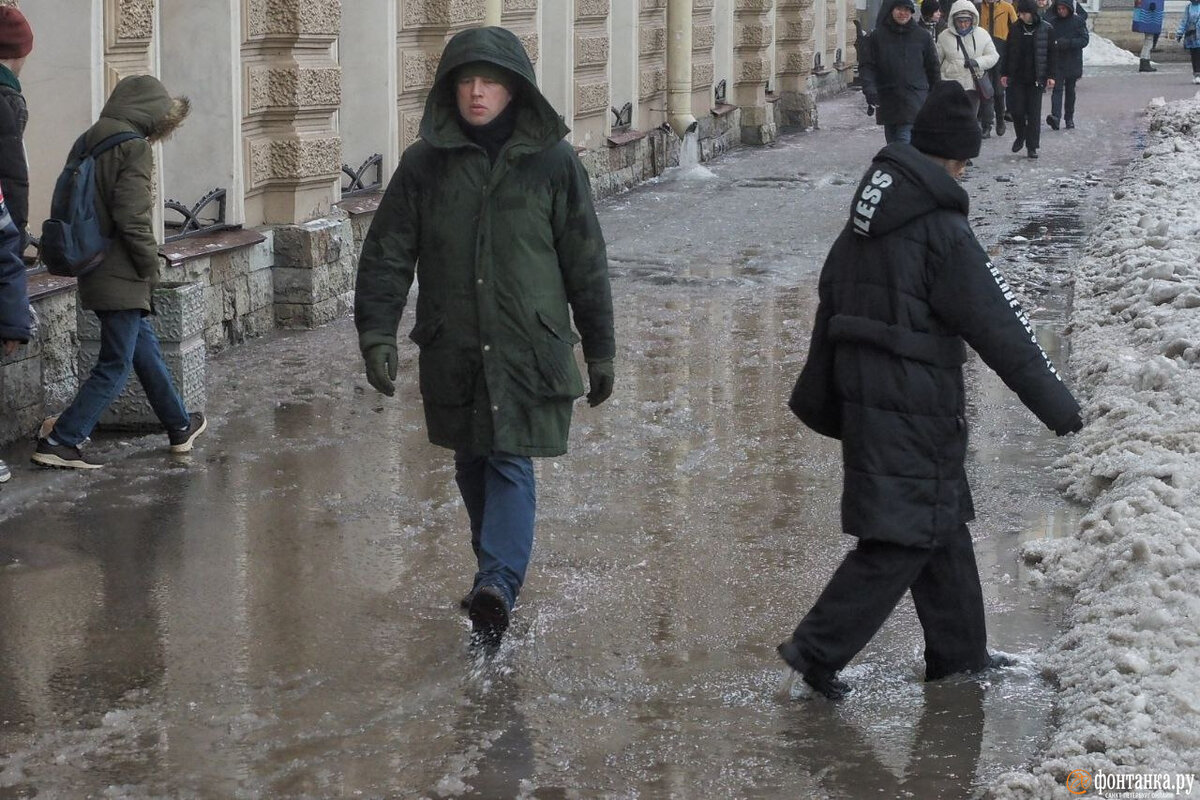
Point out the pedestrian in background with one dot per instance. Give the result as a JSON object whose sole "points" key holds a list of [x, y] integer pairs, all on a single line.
{"points": [[905, 285], [966, 53], [1187, 33], [997, 18], [491, 211], [14, 301], [931, 17], [1028, 71], [16, 42], [897, 67], [119, 289], [1070, 37], [1148, 21]]}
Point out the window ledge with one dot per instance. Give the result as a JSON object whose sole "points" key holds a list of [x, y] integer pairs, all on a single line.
{"points": [[206, 244], [625, 137], [43, 284], [365, 203], [723, 109]]}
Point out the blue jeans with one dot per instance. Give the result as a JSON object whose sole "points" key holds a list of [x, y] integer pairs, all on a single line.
{"points": [[501, 499], [898, 132], [127, 342]]}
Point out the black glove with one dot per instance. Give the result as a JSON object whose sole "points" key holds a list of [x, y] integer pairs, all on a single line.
{"points": [[972, 65], [1073, 425], [381, 368], [600, 379], [872, 99]]}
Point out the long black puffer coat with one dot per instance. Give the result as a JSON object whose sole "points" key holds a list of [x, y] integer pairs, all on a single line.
{"points": [[1032, 53], [1070, 37], [904, 285], [898, 65]]}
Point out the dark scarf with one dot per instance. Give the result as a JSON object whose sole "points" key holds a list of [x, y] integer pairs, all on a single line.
{"points": [[493, 136]]}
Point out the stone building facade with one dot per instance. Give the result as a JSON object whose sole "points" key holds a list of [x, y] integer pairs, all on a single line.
{"points": [[301, 108]]}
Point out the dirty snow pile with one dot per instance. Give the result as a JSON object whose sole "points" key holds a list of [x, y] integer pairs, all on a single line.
{"points": [[1128, 665], [1101, 52]]}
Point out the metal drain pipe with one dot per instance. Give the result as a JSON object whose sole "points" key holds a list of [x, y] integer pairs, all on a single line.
{"points": [[679, 67]]}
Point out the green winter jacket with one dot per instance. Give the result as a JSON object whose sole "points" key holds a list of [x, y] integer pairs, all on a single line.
{"points": [[125, 195], [500, 253]]}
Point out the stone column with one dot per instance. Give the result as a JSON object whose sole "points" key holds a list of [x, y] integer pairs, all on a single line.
{"points": [[293, 89], [794, 58], [652, 64], [703, 64], [592, 121], [753, 35]]}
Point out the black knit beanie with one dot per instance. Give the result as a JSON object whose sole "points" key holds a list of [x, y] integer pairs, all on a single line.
{"points": [[928, 7], [946, 126], [1027, 5]]}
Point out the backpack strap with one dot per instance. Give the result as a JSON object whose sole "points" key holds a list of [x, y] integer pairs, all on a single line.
{"points": [[109, 142]]}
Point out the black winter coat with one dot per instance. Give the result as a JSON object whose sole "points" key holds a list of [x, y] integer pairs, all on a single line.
{"points": [[1032, 53], [904, 285], [897, 67], [14, 171], [1070, 37]]}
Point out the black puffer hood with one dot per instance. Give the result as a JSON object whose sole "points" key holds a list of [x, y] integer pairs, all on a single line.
{"points": [[902, 185], [538, 124], [885, 15]]}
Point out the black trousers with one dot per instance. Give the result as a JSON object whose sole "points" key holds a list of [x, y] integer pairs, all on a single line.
{"points": [[1195, 54], [872, 578], [1067, 86], [1025, 104]]}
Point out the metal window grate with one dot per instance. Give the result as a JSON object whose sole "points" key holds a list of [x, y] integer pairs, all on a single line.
{"points": [[357, 177], [193, 220]]}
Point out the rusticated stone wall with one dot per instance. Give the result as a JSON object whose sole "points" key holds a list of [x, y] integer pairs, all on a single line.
{"points": [[794, 60], [753, 35], [292, 90], [703, 68], [591, 72], [652, 63]]}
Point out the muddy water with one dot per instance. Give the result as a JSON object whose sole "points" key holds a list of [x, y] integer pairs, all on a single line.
{"points": [[276, 615]]}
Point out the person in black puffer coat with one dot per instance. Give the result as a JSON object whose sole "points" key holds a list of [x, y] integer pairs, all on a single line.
{"points": [[897, 66], [1070, 37], [905, 287], [1029, 68]]}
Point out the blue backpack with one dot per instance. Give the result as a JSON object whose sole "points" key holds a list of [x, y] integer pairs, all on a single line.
{"points": [[72, 243]]}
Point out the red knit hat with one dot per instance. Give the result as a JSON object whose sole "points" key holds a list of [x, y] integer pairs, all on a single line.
{"points": [[16, 37]]}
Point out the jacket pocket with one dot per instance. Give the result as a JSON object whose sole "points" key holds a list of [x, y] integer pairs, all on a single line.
{"points": [[446, 377], [554, 347], [426, 331]]}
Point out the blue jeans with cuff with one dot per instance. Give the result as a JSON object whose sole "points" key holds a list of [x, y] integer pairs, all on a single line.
{"points": [[127, 344], [501, 499]]}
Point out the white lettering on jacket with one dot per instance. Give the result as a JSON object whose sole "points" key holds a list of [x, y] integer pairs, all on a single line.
{"points": [[868, 201], [1015, 305]]}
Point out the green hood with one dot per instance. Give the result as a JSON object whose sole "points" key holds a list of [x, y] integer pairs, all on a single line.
{"points": [[144, 103], [538, 124]]}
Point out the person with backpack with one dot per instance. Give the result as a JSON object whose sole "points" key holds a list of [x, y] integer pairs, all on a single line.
{"points": [[16, 42], [119, 289]]}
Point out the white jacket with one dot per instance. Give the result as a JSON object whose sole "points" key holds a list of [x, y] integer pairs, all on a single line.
{"points": [[977, 44]]}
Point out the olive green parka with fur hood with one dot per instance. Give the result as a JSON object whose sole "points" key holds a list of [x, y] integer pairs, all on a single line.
{"points": [[125, 194], [504, 253]]}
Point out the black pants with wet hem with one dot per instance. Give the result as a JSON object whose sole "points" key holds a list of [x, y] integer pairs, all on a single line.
{"points": [[1025, 105], [868, 584]]}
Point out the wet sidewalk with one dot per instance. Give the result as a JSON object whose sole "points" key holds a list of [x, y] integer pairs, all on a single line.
{"points": [[275, 614]]}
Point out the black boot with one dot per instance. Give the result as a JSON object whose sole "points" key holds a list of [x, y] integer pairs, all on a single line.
{"points": [[1069, 124], [822, 681], [1018, 143], [1000, 126], [1052, 121], [1144, 65]]}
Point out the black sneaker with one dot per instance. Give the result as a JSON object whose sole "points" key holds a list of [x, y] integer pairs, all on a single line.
{"points": [[1052, 121], [488, 611], [822, 681], [1018, 143], [1069, 124], [61, 455], [1033, 152], [181, 441], [1000, 127]]}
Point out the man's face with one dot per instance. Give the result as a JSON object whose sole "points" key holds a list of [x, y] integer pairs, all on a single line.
{"points": [[481, 99], [902, 14], [1026, 17], [1062, 11]]}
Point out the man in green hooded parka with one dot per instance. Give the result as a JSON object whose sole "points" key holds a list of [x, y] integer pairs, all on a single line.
{"points": [[491, 211]]}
